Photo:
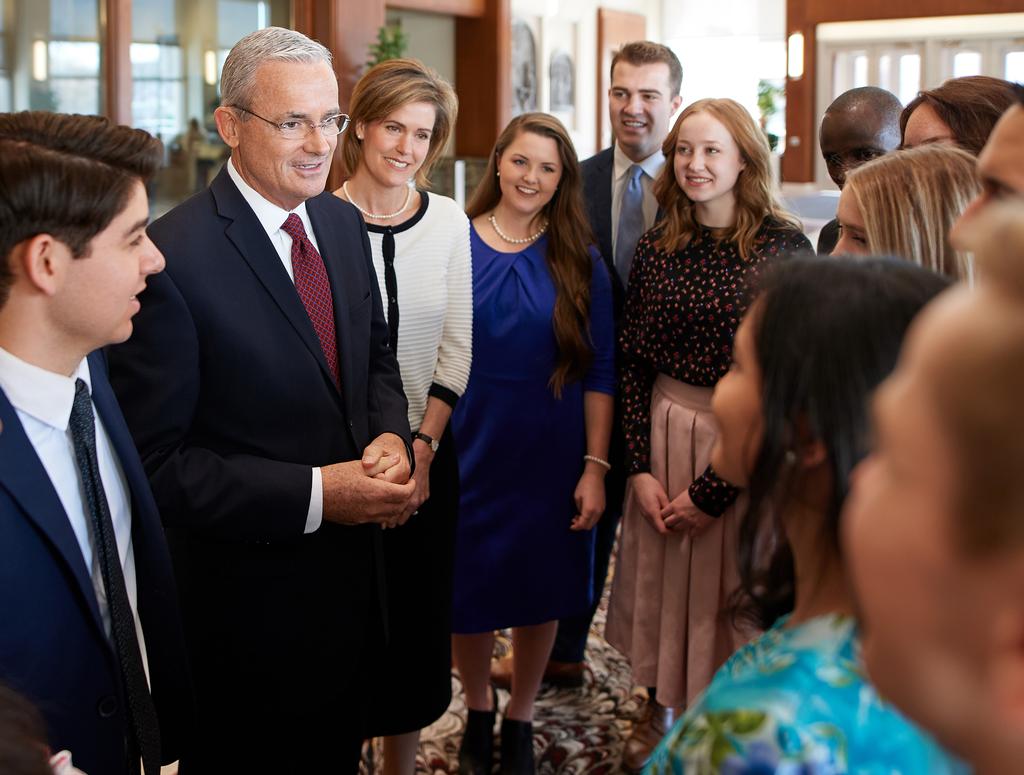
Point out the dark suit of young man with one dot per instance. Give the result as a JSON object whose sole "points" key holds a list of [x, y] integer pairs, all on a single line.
{"points": [[91, 633], [53, 648], [643, 95], [598, 185]]}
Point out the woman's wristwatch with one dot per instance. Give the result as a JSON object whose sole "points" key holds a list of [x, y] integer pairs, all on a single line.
{"points": [[430, 441]]}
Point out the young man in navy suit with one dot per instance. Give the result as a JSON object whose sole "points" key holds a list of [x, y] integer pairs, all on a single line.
{"points": [[91, 632], [269, 412]]}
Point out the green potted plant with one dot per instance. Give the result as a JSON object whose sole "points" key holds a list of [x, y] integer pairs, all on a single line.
{"points": [[391, 44], [768, 95]]}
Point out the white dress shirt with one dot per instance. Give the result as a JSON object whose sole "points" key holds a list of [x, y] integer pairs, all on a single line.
{"points": [[43, 401], [620, 177], [272, 218]]}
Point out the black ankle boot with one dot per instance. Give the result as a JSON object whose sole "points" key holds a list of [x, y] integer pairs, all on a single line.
{"points": [[516, 747], [476, 754]]}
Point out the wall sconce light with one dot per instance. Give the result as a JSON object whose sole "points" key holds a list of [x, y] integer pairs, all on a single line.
{"points": [[210, 68], [795, 67], [40, 57]]}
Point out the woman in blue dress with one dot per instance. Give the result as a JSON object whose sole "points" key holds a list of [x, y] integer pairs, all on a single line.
{"points": [[531, 431], [793, 419]]}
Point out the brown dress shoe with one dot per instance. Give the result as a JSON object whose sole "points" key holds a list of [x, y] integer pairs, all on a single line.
{"points": [[564, 675], [655, 722]]}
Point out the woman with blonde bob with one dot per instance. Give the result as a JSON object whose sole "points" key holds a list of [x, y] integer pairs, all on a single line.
{"points": [[934, 528], [904, 204], [532, 429], [687, 292], [402, 116]]}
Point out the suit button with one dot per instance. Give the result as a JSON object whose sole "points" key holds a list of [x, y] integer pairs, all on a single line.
{"points": [[107, 707]]}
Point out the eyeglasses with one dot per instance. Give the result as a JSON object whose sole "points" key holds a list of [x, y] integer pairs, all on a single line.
{"points": [[299, 129]]}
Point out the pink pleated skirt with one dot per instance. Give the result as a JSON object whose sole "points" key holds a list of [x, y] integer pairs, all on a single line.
{"points": [[669, 593]]}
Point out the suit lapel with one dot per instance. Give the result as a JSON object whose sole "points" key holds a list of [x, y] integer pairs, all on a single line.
{"points": [[25, 478], [121, 440], [330, 238], [603, 203], [252, 243], [601, 182]]}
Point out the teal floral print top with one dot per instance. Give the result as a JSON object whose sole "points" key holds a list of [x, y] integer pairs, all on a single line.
{"points": [[795, 702]]}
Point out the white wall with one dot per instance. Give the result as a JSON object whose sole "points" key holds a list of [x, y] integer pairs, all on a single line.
{"points": [[431, 38], [553, 16], [726, 46]]}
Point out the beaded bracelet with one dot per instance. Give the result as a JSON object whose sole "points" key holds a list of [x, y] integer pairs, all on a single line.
{"points": [[599, 461]]}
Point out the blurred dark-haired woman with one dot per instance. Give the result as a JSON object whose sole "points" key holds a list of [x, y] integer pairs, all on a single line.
{"points": [[793, 422]]}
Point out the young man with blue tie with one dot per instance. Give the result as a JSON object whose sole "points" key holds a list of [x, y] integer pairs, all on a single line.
{"points": [[91, 631]]}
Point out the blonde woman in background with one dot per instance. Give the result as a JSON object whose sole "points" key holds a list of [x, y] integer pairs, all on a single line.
{"points": [[904, 204], [402, 116]]}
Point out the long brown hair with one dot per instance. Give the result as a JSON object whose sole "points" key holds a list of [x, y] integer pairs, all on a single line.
{"points": [[755, 199], [569, 238]]}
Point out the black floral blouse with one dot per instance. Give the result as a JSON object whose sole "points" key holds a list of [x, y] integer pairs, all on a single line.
{"points": [[682, 311]]}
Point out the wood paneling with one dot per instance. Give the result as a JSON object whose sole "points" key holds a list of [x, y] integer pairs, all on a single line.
{"points": [[117, 63], [613, 29], [804, 15], [347, 29], [473, 8], [858, 10], [483, 60]]}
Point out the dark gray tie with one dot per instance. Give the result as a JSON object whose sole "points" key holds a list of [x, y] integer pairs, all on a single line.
{"points": [[631, 223], [143, 728]]}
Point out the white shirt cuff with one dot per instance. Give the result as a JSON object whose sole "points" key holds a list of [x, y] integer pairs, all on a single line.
{"points": [[315, 515]]}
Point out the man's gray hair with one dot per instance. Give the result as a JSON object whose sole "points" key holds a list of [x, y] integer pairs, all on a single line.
{"points": [[238, 79]]}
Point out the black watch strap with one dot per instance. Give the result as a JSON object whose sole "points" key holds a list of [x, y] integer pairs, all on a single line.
{"points": [[428, 440]]}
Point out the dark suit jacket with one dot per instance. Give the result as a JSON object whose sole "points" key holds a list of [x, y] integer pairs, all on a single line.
{"points": [[52, 645], [230, 400], [598, 172], [597, 194]]}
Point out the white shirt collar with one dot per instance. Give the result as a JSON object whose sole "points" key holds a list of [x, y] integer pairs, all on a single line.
{"points": [[270, 216], [651, 165], [43, 394]]}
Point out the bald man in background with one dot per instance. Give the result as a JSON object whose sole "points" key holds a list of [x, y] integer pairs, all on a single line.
{"points": [[860, 125]]}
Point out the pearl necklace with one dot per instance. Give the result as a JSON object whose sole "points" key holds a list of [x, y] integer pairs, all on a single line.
{"points": [[374, 216], [507, 238]]}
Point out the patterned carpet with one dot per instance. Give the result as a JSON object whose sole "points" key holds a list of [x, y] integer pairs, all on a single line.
{"points": [[575, 730]]}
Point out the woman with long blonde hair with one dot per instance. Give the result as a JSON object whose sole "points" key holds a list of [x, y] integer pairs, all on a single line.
{"points": [[532, 429], [676, 565], [905, 203]]}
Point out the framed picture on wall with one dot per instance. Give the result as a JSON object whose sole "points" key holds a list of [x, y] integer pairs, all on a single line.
{"points": [[561, 46], [526, 64]]}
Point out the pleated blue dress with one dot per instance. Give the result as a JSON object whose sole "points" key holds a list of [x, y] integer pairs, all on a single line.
{"points": [[520, 449]]}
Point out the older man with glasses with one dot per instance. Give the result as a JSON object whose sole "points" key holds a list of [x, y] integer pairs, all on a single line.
{"points": [[269, 413]]}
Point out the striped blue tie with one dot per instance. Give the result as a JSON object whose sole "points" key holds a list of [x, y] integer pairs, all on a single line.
{"points": [[631, 223]]}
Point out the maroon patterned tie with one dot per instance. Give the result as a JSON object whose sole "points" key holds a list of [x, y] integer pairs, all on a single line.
{"points": [[314, 290]]}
